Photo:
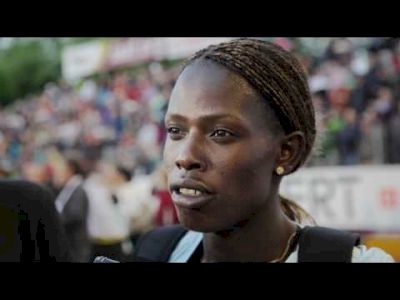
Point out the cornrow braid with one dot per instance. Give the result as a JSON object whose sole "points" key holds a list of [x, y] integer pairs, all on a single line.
{"points": [[276, 75]]}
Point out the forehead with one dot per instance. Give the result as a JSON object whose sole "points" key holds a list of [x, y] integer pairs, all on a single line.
{"points": [[205, 87]]}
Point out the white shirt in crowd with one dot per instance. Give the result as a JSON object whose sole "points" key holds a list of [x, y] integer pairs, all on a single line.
{"points": [[132, 214]]}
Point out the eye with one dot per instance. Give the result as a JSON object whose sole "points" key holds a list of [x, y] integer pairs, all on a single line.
{"points": [[174, 132], [222, 133]]}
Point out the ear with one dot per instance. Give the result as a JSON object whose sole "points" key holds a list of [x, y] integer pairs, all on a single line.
{"points": [[291, 150]]}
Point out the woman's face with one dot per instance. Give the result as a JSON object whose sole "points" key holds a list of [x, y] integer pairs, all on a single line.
{"points": [[220, 153]]}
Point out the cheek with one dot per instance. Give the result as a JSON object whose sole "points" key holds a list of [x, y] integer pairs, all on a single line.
{"points": [[246, 175]]}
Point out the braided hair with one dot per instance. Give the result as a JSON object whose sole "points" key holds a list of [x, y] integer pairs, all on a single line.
{"points": [[281, 81]]}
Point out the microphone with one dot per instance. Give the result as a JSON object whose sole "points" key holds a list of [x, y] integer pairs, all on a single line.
{"points": [[104, 260]]}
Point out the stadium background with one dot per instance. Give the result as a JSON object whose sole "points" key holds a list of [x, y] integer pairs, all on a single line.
{"points": [[104, 100]]}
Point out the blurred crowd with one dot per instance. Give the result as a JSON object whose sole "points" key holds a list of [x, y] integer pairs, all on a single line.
{"points": [[98, 145], [356, 91]]}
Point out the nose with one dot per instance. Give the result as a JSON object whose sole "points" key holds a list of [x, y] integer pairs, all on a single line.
{"points": [[191, 155]]}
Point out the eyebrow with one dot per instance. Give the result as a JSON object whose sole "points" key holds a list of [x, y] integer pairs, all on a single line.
{"points": [[210, 117]]}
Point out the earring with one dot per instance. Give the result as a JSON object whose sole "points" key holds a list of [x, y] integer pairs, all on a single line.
{"points": [[280, 170]]}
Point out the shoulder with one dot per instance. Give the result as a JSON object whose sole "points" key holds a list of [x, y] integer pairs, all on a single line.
{"points": [[159, 243], [165, 232], [360, 254], [363, 254], [327, 244], [322, 244], [186, 246], [331, 240]]}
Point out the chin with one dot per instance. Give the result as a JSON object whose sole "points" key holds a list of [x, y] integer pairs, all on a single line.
{"points": [[196, 221]]}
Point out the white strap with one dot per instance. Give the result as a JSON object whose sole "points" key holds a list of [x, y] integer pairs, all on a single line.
{"points": [[186, 246]]}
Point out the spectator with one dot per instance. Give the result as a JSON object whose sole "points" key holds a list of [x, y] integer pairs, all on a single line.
{"points": [[394, 137], [348, 139], [72, 205], [166, 213], [372, 139]]}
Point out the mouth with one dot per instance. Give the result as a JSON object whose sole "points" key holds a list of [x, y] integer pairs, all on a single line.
{"points": [[190, 195]]}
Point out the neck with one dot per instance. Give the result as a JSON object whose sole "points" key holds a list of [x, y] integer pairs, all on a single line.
{"points": [[261, 238]]}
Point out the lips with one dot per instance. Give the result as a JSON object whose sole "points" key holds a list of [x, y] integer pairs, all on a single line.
{"points": [[190, 194]]}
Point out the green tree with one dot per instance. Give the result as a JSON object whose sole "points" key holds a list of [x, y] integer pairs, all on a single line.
{"points": [[27, 66]]}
